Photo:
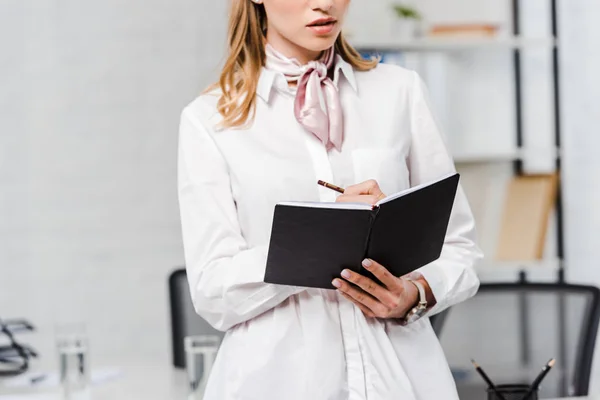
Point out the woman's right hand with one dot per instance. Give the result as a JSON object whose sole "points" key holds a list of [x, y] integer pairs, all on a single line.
{"points": [[364, 192]]}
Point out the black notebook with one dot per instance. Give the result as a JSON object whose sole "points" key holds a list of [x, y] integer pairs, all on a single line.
{"points": [[311, 243]]}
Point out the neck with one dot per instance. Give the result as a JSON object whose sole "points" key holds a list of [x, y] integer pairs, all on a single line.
{"points": [[292, 50]]}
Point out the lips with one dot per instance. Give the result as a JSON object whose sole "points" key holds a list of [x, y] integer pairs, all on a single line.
{"points": [[322, 26], [322, 22]]}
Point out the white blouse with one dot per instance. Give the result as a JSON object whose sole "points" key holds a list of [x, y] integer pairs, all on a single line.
{"points": [[295, 343]]}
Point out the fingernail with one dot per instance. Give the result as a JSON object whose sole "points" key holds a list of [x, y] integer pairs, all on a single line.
{"points": [[346, 274], [336, 283], [367, 263]]}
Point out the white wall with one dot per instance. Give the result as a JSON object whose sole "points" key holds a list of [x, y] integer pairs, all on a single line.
{"points": [[580, 62], [90, 95], [581, 125]]}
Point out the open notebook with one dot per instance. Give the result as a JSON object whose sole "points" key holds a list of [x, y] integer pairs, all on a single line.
{"points": [[312, 242]]}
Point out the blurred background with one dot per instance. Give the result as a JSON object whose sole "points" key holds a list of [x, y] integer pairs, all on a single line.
{"points": [[90, 96]]}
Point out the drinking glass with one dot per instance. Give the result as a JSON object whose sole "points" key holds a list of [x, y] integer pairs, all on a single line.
{"points": [[73, 361]]}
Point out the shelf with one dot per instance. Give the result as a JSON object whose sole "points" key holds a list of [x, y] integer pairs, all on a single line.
{"points": [[450, 44], [505, 156], [480, 158], [508, 271], [515, 266]]}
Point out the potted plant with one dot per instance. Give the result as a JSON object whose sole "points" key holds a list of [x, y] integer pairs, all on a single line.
{"points": [[406, 23]]}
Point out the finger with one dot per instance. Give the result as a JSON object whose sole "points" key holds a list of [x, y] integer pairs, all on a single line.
{"points": [[369, 286], [362, 307], [368, 199], [367, 187], [390, 281], [361, 296]]}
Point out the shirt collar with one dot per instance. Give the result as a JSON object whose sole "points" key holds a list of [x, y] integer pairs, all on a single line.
{"points": [[267, 78], [347, 70]]}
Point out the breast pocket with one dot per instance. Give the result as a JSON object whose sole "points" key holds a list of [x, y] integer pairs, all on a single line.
{"points": [[387, 166]]}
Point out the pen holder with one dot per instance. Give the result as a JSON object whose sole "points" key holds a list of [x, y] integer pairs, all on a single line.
{"points": [[512, 392]]}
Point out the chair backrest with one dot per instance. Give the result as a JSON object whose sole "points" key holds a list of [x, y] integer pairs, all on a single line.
{"points": [[184, 320], [513, 329], [437, 321]]}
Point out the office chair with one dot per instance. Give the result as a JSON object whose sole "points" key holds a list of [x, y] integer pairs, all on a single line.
{"points": [[184, 320], [513, 329]]}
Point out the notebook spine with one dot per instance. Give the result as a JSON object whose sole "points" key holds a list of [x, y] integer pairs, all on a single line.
{"points": [[373, 217]]}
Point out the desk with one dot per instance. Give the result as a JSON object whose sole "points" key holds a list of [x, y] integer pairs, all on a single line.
{"points": [[144, 382], [148, 382]]}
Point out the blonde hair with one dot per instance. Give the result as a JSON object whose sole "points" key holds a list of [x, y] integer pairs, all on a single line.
{"points": [[240, 74]]}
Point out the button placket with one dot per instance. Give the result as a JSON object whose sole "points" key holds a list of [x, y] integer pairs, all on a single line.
{"points": [[354, 362], [321, 166]]}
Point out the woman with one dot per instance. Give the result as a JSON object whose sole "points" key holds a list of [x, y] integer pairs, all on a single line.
{"points": [[295, 103]]}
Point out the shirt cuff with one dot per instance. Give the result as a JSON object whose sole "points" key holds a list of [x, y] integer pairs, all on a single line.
{"points": [[436, 278]]}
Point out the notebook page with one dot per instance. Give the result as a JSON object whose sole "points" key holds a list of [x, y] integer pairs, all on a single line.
{"points": [[331, 205], [412, 189]]}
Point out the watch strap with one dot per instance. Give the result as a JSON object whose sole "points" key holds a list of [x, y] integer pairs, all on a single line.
{"points": [[422, 302], [420, 308]]}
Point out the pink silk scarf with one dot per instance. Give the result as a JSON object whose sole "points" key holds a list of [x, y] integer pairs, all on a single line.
{"points": [[314, 90]]}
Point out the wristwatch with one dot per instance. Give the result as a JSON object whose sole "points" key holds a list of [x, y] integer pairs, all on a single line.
{"points": [[417, 311]]}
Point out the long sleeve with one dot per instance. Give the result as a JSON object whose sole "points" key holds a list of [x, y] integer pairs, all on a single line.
{"points": [[225, 274], [452, 277]]}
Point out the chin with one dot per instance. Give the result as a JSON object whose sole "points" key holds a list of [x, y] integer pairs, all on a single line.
{"points": [[320, 43]]}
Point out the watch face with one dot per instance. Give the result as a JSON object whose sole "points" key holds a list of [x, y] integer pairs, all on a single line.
{"points": [[412, 317], [415, 313]]}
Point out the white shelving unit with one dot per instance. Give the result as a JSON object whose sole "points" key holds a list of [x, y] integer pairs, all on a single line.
{"points": [[546, 270], [451, 44], [492, 271]]}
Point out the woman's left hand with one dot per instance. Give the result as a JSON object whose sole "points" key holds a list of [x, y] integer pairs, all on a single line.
{"points": [[394, 299]]}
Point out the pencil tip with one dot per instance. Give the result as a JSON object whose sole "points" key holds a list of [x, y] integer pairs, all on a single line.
{"points": [[474, 363], [552, 362]]}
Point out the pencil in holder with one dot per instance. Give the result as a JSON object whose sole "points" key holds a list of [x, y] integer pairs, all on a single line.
{"points": [[512, 392]]}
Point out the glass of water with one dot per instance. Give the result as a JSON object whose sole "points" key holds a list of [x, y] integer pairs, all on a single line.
{"points": [[73, 361], [200, 354]]}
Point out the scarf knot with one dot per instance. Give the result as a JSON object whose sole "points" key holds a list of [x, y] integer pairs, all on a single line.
{"points": [[318, 67], [317, 104]]}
